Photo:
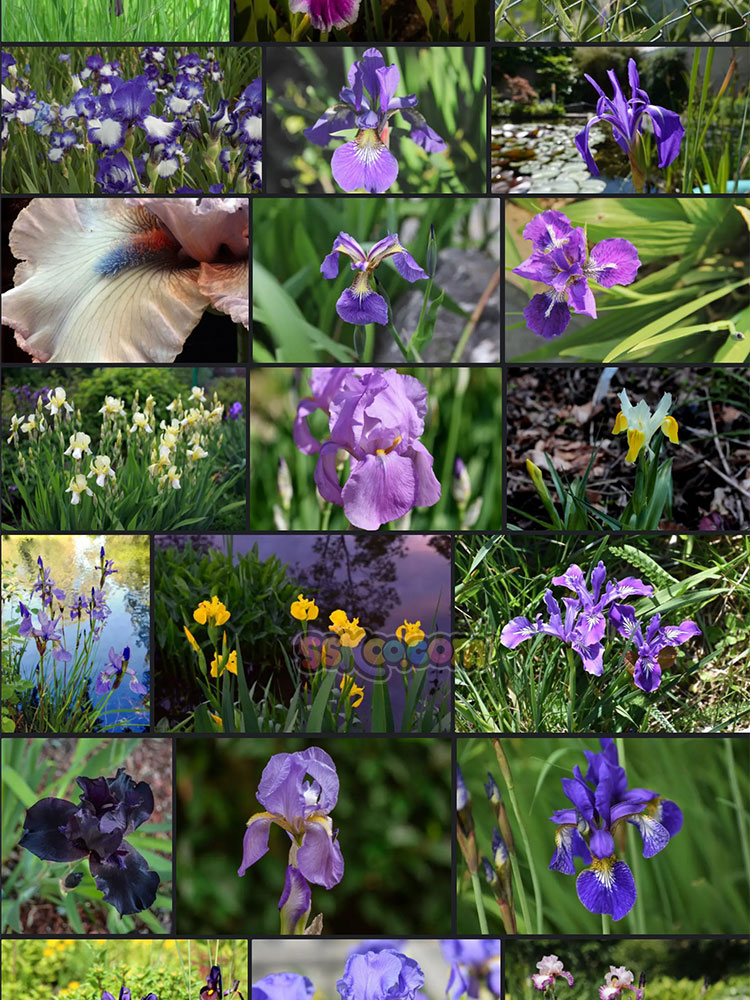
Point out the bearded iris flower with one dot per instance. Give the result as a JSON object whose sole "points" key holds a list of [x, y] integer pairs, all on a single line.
{"points": [[213, 989], [615, 981], [626, 116], [361, 304], [381, 975], [641, 424], [376, 417], [302, 808], [283, 986], [327, 14], [550, 968], [560, 260], [647, 669], [601, 803], [105, 280], [125, 995], [368, 104], [108, 810]]}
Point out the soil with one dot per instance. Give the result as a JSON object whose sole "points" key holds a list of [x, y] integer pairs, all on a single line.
{"points": [[550, 413]]}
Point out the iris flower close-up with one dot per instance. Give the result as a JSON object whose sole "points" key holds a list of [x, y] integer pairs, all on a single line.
{"points": [[105, 280]]}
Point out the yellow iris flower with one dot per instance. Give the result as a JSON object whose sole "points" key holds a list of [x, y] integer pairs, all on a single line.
{"points": [[410, 632], [212, 612], [230, 665], [641, 424], [304, 609], [350, 633], [354, 692]]}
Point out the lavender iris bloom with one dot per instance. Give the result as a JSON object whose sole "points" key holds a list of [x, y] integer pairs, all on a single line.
{"points": [[626, 118], [115, 671], [377, 418], [474, 964], [283, 986], [361, 304], [302, 808], [109, 809], [327, 14], [601, 801], [560, 261], [369, 103], [647, 670], [382, 975]]}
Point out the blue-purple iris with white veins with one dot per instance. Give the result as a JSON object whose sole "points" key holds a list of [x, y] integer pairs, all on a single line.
{"points": [[601, 801], [361, 304], [369, 104]]}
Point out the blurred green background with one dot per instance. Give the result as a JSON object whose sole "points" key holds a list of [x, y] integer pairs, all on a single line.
{"points": [[449, 83], [699, 884], [464, 418], [82, 970], [393, 816], [675, 970]]}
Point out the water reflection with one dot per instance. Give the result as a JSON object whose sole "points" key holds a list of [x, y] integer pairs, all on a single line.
{"points": [[71, 560]]}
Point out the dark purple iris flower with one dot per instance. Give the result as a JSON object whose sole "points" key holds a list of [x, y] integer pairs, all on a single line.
{"points": [[301, 807], [475, 968], [601, 801], [283, 986], [109, 809], [125, 995], [361, 304], [327, 14], [369, 103], [115, 671], [213, 989], [377, 418], [235, 411], [560, 261], [647, 670], [381, 975], [626, 118]]}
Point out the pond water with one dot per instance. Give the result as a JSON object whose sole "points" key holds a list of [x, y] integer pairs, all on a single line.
{"points": [[540, 157], [71, 560], [380, 579]]}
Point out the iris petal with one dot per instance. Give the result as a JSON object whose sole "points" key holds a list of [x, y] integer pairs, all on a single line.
{"points": [[365, 162], [607, 887], [125, 880], [319, 858], [44, 831]]}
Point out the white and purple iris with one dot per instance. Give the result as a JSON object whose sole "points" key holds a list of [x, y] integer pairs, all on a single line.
{"points": [[109, 809], [361, 304], [647, 669], [376, 418], [368, 104], [327, 14], [550, 969], [108, 280], [626, 116], [298, 792], [601, 802], [560, 261]]}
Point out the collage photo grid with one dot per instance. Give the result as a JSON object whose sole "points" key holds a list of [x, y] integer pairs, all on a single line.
{"points": [[339, 632]]}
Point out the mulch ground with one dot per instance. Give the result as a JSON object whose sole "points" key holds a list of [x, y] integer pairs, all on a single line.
{"points": [[550, 412]]}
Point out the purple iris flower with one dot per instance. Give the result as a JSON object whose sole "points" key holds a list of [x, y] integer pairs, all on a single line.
{"points": [[283, 986], [647, 670], [369, 103], [109, 809], [626, 118], [114, 175], [129, 100], [235, 411], [213, 990], [560, 261], [302, 808], [361, 304], [325, 383], [474, 964], [564, 627], [125, 995], [382, 975], [377, 418], [601, 801], [115, 671], [592, 622], [327, 14]]}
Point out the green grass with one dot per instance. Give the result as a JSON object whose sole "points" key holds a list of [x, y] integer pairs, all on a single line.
{"points": [[697, 885], [155, 21], [532, 689]]}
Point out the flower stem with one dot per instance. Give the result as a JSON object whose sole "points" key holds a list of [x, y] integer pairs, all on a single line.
{"points": [[738, 805], [634, 856], [571, 688], [605, 923], [502, 761], [479, 902]]}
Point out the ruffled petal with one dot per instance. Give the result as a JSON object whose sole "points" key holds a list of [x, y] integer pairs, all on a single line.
{"points": [[319, 858], [226, 286], [203, 226], [44, 831], [99, 282], [381, 488], [125, 880]]}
